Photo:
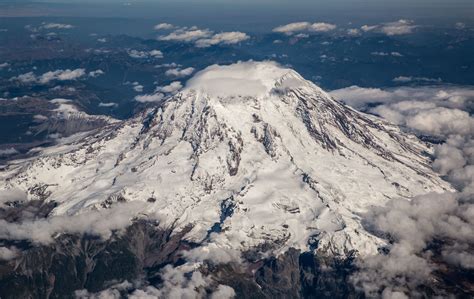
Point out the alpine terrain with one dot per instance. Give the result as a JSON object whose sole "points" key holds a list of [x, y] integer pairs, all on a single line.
{"points": [[251, 181]]}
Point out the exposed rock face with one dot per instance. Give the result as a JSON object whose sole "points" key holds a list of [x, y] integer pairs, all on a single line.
{"points": [[85, 262]]}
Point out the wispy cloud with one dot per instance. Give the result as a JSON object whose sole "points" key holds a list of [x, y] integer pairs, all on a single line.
{"points": [[399, 27], [178, 72]]}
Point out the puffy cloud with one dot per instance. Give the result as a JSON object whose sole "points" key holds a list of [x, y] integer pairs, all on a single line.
{"points": [[223, 291], [96, 73], [413, 225], [443, 95], [163, 26], [185, 281], [4, 65], [113, 292], [145, 54], [204, 37], [178, 72], [138, 88], [303, 27], [440, 121], [353, 32], [359, 97], [186, 35], [7, 254], [431, 233], [58, 75], [150, 98], [225, 38], [398, 28], [322, 27], [138, 54], [95, 222], [101, 223], [173, 87], [292, 27], [61, 75], [26, 78], [429, 110], [156, 53]]}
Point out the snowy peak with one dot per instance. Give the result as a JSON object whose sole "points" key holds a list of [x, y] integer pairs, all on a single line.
{"points": [[250, 155], [244, 79]]}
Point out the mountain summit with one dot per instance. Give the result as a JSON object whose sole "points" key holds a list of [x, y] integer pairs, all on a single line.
{"points": [[249, 155]]}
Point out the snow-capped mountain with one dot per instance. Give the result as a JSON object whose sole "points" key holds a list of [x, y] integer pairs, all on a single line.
{"points": [[67, 119], [249, 155]]}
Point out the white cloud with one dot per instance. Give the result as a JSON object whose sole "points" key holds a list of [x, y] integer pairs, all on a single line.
{"points": [[460, 25], [322, 27], [178, 72], [304, 27], [102, 104], [4, 65], [405, 79], [156, 53], [58, 75], [413, 225], [186, 35], [163, 26], [149, 98], [7, 254], [225, 38], [25, 78], [61, 75], [395, 54], [145, 54], [398, 28], [204, 37], [367, 28], [444, 95], [168, 65], [138, 88], [353, 32], [138, 54], [292, 27], [56, 26], [173, 87], [96, 73], [97, 222]]}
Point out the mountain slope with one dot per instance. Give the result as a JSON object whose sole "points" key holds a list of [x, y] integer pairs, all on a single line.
{"points": [[250, 155]]}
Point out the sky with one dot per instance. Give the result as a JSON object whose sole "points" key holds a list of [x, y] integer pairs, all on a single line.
{"points": [[247, 10]]}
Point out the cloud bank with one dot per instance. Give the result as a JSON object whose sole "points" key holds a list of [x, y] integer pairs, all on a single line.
{"points": [[299, 27], [201, 38], [57, 75], [430, 235]]}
